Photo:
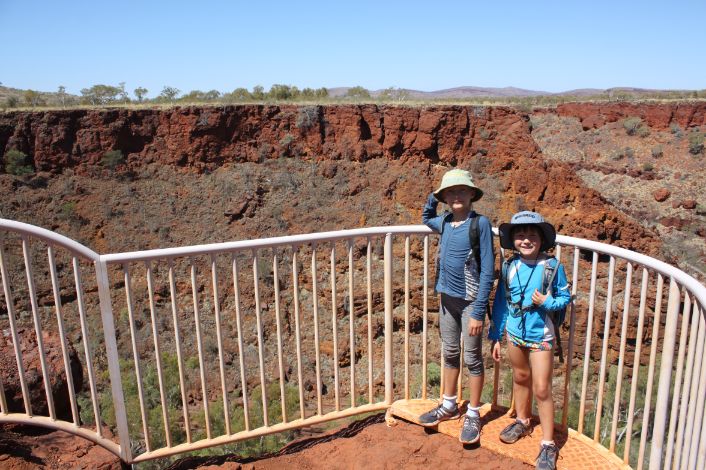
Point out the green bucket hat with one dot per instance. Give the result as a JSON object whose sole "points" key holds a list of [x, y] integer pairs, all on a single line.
{"points": [[458, 177]]}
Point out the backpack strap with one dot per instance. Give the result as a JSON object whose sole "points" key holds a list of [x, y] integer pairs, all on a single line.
{"points": [[474, 236], [549, 273]]}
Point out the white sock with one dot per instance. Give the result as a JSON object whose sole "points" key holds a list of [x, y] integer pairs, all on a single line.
{"points": [[473, 412], [450, 402], [547, 443]]}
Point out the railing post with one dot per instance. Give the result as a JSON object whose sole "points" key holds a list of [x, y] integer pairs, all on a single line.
{"points": [[111, 351], [665, 376], [388, 318]]}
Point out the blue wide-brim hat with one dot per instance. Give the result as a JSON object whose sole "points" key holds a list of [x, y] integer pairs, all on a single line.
{"points": [[527, 218]]}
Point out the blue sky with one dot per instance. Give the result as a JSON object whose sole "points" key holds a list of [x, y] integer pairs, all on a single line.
{"points": [[540, 45]]}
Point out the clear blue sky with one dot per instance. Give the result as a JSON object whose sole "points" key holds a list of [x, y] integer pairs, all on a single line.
{"points": [[540, 45]]}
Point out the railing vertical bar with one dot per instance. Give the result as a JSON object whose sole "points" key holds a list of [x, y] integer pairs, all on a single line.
{"points": [[241, 348], [317, 348], [694, 386], [111, 353], [297, 328], [604, 349], [425, 316], [278, 319], [136, 355], [260, 341], [62, 336], [587, 350], [621, 357], [388, 318], [650, 371], [636, 365], [665, 376], [557, 252], [687, 387], [369, 286], [334, 328], [219, 342], [693, 449], [38, 328], [158, 355], [676, 391], [406, 317], [199, 346], [351, 322], [13, 329], [572, 338], [701, 460], [180, 357]]}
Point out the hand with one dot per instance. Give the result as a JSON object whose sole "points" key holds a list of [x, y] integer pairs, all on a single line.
{"points": [[496, 351], [475, 327], [538, 298]]}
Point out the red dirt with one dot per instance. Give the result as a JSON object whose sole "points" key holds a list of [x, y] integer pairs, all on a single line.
{"points": [[368, 443]]}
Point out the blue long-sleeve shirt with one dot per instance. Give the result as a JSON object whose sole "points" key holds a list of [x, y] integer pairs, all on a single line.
{"points": [[458, 273], [529, 326]]}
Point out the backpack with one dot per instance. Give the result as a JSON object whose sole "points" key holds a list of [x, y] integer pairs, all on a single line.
{"points": [[548, 274]]}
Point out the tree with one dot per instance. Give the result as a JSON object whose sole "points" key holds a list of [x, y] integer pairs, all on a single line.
{"points": [[62, 95], [140, 93], [33, 98], [280, 92], [100, 94], [239, 94], [358, 92], [122, 93], [394, 94], [258, 93], [169, 93]]}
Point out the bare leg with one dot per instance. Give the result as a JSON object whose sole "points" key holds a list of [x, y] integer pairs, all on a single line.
{"points": [[541, 363], [475, 385], [450, 381], [521, 379]]}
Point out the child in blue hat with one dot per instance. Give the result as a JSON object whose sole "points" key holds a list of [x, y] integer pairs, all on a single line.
{"points": [[530, 300]]}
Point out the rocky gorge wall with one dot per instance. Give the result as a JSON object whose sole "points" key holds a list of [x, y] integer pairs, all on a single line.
{"points": [[493, 142]]}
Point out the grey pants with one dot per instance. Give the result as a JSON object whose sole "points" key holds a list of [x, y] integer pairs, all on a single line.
{"points": [[453, 324]]}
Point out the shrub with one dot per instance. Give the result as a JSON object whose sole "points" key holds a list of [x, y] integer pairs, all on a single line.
{"points": [[648, 167], [307, 117], [629, 152], [16, 163], [112, 159], [675, 129], [696, 142], [634, 126], [657, 152], [484, 133]]}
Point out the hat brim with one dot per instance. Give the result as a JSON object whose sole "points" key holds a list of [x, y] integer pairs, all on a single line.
{"points": [[478, 193], [548, 235]]}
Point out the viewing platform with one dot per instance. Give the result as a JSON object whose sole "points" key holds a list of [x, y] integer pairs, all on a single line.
{"points": [[179, 349]]}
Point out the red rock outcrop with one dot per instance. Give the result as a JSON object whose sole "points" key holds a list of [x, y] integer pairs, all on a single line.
{"points": [[33, 374], [658, 116], [490, 141]]}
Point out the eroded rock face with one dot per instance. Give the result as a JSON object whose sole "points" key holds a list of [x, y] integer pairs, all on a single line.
{"points": [[493, 142], [33, 374], [656, 116]]}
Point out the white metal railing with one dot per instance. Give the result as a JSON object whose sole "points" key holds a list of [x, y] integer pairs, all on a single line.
{"points": [[185, 348]]}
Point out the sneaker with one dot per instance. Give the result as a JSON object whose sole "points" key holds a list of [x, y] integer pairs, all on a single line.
{"points": [[513, 432], [470, 431], [437, 415], [546, 460]]}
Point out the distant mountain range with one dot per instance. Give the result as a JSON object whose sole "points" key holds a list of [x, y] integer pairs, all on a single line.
{"points": [[505, 92]]}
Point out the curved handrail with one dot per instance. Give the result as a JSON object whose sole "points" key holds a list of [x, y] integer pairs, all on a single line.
{"points": [[49, 237]]}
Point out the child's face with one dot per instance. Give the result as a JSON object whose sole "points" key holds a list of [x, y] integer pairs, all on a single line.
{"points": [[458, 197], [527, 240]]}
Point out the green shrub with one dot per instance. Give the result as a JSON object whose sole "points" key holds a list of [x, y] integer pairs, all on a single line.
{"points": [[433, 374], [307, 117], [629, 152], [696, 142], [643, 131], [112, 159], [648, 167], [16, 163], [632, 124], [675, 129], [657, 152]]}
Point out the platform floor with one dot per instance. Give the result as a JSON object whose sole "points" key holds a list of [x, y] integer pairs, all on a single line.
{"points": [[576, 451]]}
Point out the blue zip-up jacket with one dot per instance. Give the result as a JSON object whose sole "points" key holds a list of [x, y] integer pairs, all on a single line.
{"points": [[457, 271], [519, 274]]}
